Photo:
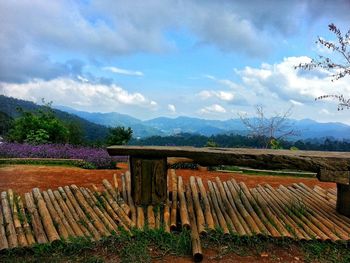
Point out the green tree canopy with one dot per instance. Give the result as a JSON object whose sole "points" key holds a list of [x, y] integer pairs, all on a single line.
{"points": [[41, 126], [119, 135]]}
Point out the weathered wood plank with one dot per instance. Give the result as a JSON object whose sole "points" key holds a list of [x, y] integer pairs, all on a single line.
{"points": [[311, 161], [148, 180]]}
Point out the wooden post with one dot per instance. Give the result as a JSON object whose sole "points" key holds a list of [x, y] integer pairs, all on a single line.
{"points": [[343, 199], [148, 179]]}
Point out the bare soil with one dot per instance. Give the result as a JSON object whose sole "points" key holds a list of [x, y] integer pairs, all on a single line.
{"points": [[23, 178]]}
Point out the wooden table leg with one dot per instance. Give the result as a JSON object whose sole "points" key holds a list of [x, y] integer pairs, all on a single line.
{"points": [[148, 180], [343, 199]]}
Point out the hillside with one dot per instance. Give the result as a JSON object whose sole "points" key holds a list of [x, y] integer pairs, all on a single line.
{"points": [[92, 131]]}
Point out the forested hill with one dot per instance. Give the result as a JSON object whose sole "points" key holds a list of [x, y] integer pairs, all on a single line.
{"points": [[92, 131]]}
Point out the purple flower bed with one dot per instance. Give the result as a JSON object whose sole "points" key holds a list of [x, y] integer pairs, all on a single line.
{"points": [[96, 156]]}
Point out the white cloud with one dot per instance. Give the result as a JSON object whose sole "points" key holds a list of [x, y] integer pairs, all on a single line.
{"points": [[222, 95], [282, 81], [76, 94], [215, 108], [172, 108], [297, 103], [124, 71]]}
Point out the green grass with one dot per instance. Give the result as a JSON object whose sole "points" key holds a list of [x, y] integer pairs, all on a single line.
{"points": [[146, 246], [290, 173]]}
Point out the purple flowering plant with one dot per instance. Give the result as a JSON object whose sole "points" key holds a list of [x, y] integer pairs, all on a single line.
{"points": [[98, 157]]}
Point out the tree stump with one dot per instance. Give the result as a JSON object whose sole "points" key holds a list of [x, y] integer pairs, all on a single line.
{"points": [[148, 179], [343, 199]]}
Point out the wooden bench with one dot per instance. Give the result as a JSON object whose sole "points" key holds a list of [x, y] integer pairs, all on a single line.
{"points": [[148, 167]]}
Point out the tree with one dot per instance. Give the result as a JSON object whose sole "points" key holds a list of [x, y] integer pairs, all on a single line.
{"points": [[269, 131], [41, 126], [119, 135], [5, 123], [339, 66]]}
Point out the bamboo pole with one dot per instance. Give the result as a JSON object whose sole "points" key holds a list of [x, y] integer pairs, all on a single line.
{"points": [[173, 210], [235, 221], [213, 213], [322, 208], [260, 211], [62, 230], [140, 218], [197, 207], [185, 222], [9, 226], [157, 217], [166, 216], [69, 213], [81, 215], [288, 222], [119, 211], [285, 206], [223, 210], [110, 210], [49, 227], [125, 195], [207, 211], [116, 185], [307, 219], [239, 216], [130, 200], [313, 215], [250, 209], [151, 217], [92, 198], [3, 240], [269, 214], [242, 210], [89, 212], [26, 227], [22, 241], [116, 197], [61, 214], [221, 219], [38, 228], [100, 215], [196, 243]]}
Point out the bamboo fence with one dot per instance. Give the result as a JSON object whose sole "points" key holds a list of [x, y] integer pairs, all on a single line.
{"points": [[296, 211]]}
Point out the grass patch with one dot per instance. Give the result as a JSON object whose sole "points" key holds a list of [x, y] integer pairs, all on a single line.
{"points": [[49, 162], [249, 171], [149, 245]]}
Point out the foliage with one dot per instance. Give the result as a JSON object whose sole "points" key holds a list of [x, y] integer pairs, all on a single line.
{"points": [[275, 144], [236, 141], [5, 123], [269, 130], [211, 143], [39, 127], [339, 66], [97, 157], [91, 132], [119, 135]]}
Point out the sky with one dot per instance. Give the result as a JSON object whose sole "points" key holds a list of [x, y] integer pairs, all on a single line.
{"points": [[207, 59]]}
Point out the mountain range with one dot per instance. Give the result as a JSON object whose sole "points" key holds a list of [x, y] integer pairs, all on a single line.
{"points": [[95, 125], [162, 126]]}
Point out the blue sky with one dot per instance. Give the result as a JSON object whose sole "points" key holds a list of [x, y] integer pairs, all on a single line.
{"points": [[207, 59]]}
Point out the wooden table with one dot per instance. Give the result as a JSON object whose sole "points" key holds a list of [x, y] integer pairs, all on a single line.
{"points": [[148, 167]]}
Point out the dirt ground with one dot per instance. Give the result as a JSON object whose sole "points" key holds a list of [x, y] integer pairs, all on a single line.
{"points": [[23, 178]]}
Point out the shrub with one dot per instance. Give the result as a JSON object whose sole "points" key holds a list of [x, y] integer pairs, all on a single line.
{"points": [[97, 157]]}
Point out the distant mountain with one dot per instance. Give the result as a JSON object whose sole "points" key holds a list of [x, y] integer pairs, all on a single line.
{"points": [[95, 123], [92, 131], [113, 119]]}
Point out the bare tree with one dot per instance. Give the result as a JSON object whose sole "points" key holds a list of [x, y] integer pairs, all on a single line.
{"points": [[269, 130], [339, 66]]}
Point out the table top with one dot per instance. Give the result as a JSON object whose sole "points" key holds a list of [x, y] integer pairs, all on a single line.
{"points": [[256, 158]]}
